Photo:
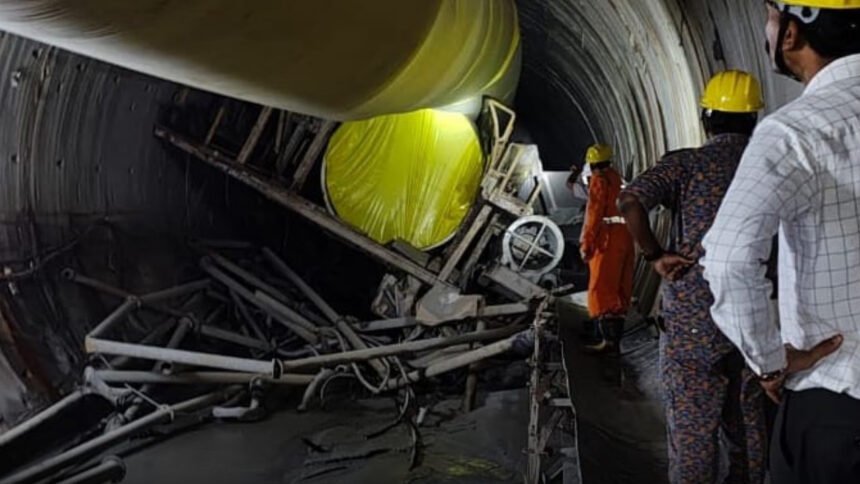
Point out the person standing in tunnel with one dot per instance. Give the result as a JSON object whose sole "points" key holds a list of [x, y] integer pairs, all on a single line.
{"points": [[608, 249], [708, 391], [800, 179]]}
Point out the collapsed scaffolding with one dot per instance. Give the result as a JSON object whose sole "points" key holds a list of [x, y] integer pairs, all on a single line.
{"points": [[272, 328]]}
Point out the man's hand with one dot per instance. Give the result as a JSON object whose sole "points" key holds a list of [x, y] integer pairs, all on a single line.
{"points": [[672, 266], [800, 360], [584, 255]]}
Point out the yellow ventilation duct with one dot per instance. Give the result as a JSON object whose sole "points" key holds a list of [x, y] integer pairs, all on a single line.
{"points": [[408, 176], [338, 59]]}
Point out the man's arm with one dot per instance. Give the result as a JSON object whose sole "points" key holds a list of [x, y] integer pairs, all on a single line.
{"points": [[595, 210], [771, 184], [655, 186]]}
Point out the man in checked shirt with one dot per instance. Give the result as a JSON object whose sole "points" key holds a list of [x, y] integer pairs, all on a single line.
{"points": [[800, 178], [708, 392]]}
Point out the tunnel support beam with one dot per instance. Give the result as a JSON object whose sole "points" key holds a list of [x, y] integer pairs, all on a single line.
{"points": [[296, 204]]}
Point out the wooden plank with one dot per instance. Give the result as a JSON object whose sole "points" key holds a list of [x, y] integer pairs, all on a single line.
{"points": [[254, 137], [215, 123], [314, 152], [298, 205]]}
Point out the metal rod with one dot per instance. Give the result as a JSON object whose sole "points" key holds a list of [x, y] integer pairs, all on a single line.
{"points": [[248, 317], [472, 380], [297, 204], [176, 291], [150, 338], [398, 349], [247, 276], [464, 243], [73, 276], [285, 311], [340, 323], [256, 301], [210, 135], [40, 418], [357, 343], [504, 310], [254, 136], [454, 363], [312, 154], [231, 337], [50, 466], [94, 345], [387, 324], [196, 378], [300, 284], [116, 316], [111, 469]]}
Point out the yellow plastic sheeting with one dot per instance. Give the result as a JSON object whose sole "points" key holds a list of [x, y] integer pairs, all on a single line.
{"points": [[337, 59], [409, 176]]}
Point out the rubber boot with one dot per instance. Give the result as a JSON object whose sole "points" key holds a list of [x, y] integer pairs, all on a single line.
{"points": [[616, 332], [597, 342], [590, 333]]}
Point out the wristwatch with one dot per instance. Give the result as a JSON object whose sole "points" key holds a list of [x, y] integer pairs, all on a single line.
{"points": [[772, 376]]}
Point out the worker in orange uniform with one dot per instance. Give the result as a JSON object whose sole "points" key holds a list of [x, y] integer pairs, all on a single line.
{"points": [[607, 247]]}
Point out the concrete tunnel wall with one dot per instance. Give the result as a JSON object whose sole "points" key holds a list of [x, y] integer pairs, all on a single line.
{"points": [[76, 139]]}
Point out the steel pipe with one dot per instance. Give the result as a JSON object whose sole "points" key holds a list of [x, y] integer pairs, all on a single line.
{"points": [[41, 417], [247, 276], [285, 311], [197, 378], [387, 324], [242, 291], [111, 469], [340, 323], [176, 291], [87, 449], [151, 337], [231, 337], [454, 363], [248, 317], [116, 316], [398, 349], [71, 275], [300, 284], [95, 345]]}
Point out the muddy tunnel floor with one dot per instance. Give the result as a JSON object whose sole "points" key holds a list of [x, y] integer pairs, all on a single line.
{"points": [[621, 426], [621, 436]]}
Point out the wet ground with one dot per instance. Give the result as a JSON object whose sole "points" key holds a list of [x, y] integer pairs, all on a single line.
{"points": [[621, 435]]}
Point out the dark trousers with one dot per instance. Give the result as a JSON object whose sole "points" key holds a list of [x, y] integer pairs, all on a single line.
{"points": [[816, 439]]}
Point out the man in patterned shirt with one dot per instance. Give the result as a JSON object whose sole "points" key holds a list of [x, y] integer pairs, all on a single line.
{"points": [[800, 178], [707, 389]]}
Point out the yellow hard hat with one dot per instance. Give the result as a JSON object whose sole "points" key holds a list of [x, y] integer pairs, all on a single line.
{"points": [[733, 92], [834, 4], [598, 154]]}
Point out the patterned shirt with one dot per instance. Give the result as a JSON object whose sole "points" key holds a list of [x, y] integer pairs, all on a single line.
{"points": [[800, 177], [692, 184]]}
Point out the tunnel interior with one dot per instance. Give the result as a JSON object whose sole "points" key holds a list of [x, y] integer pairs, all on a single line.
{"points": [[86, 184]]}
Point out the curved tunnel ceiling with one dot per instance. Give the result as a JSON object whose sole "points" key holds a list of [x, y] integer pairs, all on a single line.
{"points": [[630, 72]]}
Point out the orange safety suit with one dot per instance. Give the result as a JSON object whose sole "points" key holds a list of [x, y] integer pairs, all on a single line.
{"points": [[607, 247]]}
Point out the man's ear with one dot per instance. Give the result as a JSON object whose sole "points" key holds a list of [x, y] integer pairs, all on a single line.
{"points": [[793, 39]]}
